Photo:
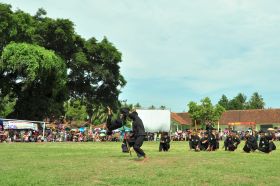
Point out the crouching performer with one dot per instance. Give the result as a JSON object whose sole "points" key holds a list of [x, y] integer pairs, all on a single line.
{"points": [[231, 142], [251, 143], [266, 144], [194, 142], [164, 144]]}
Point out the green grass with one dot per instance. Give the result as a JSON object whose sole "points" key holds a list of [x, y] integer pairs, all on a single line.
{"points": [[104, 164]]}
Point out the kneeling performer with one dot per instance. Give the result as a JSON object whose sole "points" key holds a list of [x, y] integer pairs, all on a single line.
{"points": [[164, 144], [266, 144]]}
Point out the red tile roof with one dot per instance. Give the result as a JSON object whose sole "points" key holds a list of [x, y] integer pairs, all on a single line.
{"points": [[179, 119], [259, 116]]}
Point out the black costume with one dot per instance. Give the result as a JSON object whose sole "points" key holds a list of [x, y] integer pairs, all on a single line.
{"points": [[209, 128], [204, 142], [194, 142], [213, 143], [113, 125], [164, 144], [266, 145], [250, 144], [138, 131], [231, 143]]}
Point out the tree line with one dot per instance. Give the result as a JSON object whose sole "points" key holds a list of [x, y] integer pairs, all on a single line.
{"points": [[205, 112], [240, 102], [45, 64]]}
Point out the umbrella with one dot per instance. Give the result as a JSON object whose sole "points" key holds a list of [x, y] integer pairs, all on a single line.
{"points": [[125, 128], [103, 130], [102, 135], [67, 129], [270, 129]]}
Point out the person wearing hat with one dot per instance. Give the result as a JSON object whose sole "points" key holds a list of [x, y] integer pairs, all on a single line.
{"points": [[251, 143], [266, 144], [231, 142], [138, 134]]}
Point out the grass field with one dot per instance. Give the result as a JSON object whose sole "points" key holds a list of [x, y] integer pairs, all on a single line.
{"points": [[104, 164]]}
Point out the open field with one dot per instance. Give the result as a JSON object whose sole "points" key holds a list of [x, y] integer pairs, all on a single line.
{"points": [[104, 164]]}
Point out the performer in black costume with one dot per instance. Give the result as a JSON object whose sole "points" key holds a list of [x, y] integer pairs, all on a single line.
{"points": [[164, 144], [118, 123], [266, 144], [204, 142], [231, 142], [194, 142], [113, 125], [251, 143], [138, 133], [212, 141]]}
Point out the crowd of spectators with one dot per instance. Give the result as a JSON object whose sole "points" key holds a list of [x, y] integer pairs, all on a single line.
{"points": [[99, 135], [74, 135]]}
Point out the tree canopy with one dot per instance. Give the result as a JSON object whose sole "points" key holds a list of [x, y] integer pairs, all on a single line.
{"points": [[35, 77], [240, 102], [205, 112], [91, 67]]}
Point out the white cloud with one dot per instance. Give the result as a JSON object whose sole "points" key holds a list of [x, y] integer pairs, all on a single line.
{"points": [[203, 47]]}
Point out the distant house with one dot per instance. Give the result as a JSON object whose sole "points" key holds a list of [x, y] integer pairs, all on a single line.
{"points": [[263, 118], [180, 121]]}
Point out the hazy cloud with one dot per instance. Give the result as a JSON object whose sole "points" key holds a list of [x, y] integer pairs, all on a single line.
{"points": [[177, 51]]}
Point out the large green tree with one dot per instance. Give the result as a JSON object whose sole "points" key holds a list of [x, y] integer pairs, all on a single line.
{"points": [[75, 110], [205, 112], [36, 78], [238, 102], [224, 102], [256, 101], [93, 72]]}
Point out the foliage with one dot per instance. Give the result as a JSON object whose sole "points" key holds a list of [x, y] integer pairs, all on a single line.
{"points": [[152, 107], [224, 102], [256, 102], [6, 106], [137, 106], [74, 110], [35, 77], [205, 112], [99, 115], [93, 71], [239, 102]]}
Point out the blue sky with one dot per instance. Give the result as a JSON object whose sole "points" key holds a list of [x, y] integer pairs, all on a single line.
{"points": [[183, 50]]}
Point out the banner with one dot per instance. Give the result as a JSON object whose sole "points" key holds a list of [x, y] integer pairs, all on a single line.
{"points": [[155, 120], [20, 125]]}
